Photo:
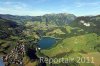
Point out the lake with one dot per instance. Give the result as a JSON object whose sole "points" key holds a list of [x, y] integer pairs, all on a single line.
{"points": [[46, 42], [1, 62]]}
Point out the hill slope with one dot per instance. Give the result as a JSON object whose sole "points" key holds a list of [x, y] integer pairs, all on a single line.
{"points": [[57, 19], [90, 24]]}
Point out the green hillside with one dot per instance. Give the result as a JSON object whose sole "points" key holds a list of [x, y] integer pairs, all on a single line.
{"points": [[76, 37]]}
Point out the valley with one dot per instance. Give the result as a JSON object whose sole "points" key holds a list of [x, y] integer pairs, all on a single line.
{"points": [[52, 36]]}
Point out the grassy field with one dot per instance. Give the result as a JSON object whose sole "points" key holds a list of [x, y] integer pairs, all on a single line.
{"points": [[96, 57], [76, 46], [84, 43]]}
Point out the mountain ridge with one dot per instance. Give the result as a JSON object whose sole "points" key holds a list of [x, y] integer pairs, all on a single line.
{"points": [[57, 19]]}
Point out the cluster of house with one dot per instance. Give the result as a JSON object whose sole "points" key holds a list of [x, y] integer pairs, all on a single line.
{"points": [[16, 55]]}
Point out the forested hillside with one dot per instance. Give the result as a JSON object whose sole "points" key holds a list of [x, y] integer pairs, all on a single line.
{"points": [[90, 24]]}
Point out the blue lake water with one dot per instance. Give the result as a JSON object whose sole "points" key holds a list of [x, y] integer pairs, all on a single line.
{"points": [[1, 62], [46, 42]]}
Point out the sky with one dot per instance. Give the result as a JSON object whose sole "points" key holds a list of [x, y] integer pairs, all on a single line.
{"points": [[41, 7]]}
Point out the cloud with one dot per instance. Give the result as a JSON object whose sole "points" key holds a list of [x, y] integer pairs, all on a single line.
{"points": [[80, 4], [17, 8], [13, 4], [18, 11], [38, 1], [12, 7]]}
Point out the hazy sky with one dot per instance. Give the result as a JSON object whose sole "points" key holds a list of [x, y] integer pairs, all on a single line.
{"points": [[40, 7]]}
